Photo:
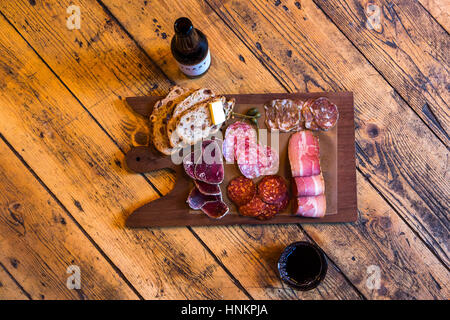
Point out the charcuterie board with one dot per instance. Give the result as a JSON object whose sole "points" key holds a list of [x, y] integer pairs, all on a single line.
{"points": [[337, 154]]}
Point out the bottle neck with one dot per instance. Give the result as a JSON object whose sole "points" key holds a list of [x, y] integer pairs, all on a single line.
{"points": [[187, 43]]}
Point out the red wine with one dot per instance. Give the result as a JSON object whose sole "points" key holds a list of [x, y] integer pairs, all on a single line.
{"points": [[302, 265], [190, 49]]}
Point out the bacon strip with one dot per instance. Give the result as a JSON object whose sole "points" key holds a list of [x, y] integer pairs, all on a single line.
{"points": [[304, 154], [312, 207], [308, 186]]}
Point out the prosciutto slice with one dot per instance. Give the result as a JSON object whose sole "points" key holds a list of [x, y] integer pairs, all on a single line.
{"points": [[308, 186], [312, 207], [304, 154]]}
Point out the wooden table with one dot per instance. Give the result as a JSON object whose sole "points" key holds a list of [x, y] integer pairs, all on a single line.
{"points": [[64, 129]]}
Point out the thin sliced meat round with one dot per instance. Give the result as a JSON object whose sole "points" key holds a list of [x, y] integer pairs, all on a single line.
{"points": [[196, 200], [269, 212], [308, 116], [241, 190], [236, 132], [254, 208], [210, 168], [207, 188], [272, 189], [215, 209], [325, 113]]}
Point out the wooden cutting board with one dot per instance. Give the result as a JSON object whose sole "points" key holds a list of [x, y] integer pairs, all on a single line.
{"points": [[337, 164]]}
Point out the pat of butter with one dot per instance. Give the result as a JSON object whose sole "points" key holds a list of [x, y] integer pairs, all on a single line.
{"points": [[217, 113]]}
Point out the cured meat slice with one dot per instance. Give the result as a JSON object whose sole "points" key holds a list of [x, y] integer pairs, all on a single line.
{"points": [[268, 160], [254, 208], [210, 168], [236, 132], [215, 209], [207, 188], [304, 154], [272, 189], [283, 204], [325, 113], [308, 116], [312, 207], [269, 212], [241, 190], [247, 159], [284, 115], [196, 200], [308, 186], [189, 163]]}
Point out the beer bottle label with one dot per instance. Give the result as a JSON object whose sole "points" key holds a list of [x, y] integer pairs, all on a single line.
{"points": [[196, 69]]}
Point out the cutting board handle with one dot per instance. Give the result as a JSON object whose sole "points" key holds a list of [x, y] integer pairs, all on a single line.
{"points": [[145, 159]]}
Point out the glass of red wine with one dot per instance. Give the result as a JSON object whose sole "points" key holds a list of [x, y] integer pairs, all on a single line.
{"points": [[302, 265]]}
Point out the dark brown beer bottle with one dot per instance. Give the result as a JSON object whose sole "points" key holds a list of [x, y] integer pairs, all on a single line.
{"points": [[190, 48]]}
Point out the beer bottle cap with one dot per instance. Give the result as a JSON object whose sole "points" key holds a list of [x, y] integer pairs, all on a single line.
{"points": [[183, 26]]}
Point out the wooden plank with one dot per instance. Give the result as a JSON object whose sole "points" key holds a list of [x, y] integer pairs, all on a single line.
{"points": [[395, 150], [40, 241], [9, 290], [407, 47], [78, 162], [439, 9], [99, 64]]}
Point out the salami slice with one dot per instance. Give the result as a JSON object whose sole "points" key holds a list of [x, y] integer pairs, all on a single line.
{"points": [[325, 113], [254, 208], [271, 160], [283, 204], [236, 132], [308, 116], [241, 190], [272, 189], [269, 212], [247, 159], [215, 209]]}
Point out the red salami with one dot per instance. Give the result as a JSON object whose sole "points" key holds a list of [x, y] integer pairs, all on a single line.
{"points": [[272, 189], [325, 113], [254, 208], [241, 190], [269, 212]]}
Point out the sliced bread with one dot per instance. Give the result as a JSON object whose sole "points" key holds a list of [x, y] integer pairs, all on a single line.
{"points": [[196, 97], [161, 113], [195, 124]]}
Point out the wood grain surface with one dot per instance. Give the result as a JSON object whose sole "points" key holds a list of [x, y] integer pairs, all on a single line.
{"points": [[65, 129]]}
